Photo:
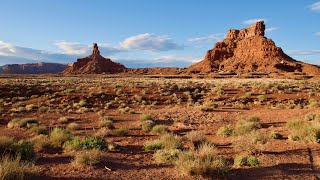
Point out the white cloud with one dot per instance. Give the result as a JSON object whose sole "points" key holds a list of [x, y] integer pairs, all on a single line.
{"points": [[72, 47], [317, 33], [304, 52], [253, 21], [150, 42], [269, 30], [315, 6], [206, 38]]}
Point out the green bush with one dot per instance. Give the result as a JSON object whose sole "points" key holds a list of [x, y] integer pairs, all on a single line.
{"points": [[89, 142], [24, 149], [39, 129]]}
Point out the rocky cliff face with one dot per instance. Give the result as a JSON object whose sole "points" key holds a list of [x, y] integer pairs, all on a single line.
{"points": [[247, 50], [34, 68], [95, 64]]}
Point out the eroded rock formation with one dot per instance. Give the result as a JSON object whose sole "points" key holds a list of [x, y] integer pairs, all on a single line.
{"points": [[95, 64], [248, 50]]}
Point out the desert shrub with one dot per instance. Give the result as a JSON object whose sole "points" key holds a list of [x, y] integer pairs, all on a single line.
{"points": [[225, 131], [87, 158], [159, 129], [275, 135], [203, 161], [245, 160], [43, 109], [106, 122], [304, 131], [247, 125], [11, 167], [89, 142], [166, 141], [312, 117], [167, 156], [41, 141], [181, 119], [121, 132], [147, 125], [196, 138], [6, 143], [126, 110], [250, 143], [17, 122], [65, 120], [39, 129], [145, 117], [208, 106], [24, 149], [103, 132], [313, 103], [262, 98], [73, 126], [58, 136], [31, 107]]}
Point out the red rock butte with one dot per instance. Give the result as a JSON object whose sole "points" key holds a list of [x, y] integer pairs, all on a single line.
{"points": [[95, 64], [248, 50]]}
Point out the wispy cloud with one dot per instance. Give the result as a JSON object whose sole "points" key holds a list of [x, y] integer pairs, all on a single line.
{"points": [[315, 6], [253, 21], [150, 42], [317, 33], [269, 30], [304, 52], [206, 38]]}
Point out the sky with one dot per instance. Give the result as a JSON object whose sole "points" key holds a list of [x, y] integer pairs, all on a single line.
{"points": [[144, 33]]}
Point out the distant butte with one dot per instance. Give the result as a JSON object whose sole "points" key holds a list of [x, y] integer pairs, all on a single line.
{"points": [[248, 50], [95, 64]]}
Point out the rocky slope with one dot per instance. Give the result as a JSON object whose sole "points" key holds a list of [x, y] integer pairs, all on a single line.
{"points": [[248, 50], [95, 64], [33, 68]]}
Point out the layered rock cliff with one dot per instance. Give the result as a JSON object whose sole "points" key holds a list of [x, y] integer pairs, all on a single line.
{"points": [[95, 64], [33, 68], [248, 50]]}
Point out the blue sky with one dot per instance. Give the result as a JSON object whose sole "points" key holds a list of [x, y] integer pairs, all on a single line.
{"points": [[149, 33]]}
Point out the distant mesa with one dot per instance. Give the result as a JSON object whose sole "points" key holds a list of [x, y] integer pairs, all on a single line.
{"points": [[248, 50], [33, 68], [95, 64]]}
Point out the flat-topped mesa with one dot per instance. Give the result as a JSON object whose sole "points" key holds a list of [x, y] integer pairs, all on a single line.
{"points": [[254, 30]]}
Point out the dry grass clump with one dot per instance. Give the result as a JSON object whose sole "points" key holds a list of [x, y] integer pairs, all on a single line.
{"points": [[22, 148], [160, 129], [18, 122], [166, 141], [11, 167], [41, 141], [204, 161], [73, 126], [196, 138], [38, 129], [87, 157], [58, 136], [304, 131], [146, 122], [208, 106], [106, 121], [247, 125], [65, 120], [245, 160], [250, 143], [167, 156], [121, 131], [225, 131]]}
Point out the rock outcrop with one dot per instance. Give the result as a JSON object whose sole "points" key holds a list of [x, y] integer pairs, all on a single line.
{"points": [[248, 50], [95, 64], [33, 68]]}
